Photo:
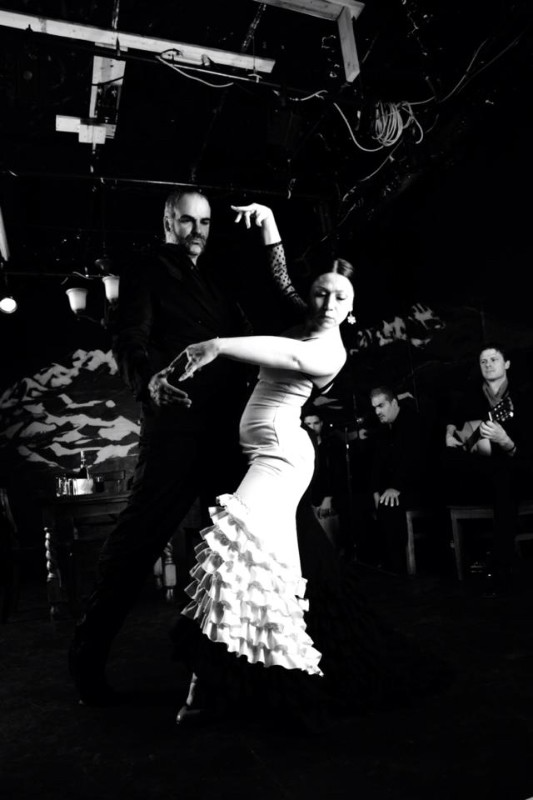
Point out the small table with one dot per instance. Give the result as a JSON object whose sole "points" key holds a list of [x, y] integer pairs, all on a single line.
{"points": [[65, 521]]}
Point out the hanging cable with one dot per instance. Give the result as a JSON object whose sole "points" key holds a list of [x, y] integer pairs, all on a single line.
{"points": [[193, 77], [360, 146]]}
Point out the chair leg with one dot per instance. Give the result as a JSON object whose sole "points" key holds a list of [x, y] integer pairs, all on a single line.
{"points": [[410, 549], [457, 544]]}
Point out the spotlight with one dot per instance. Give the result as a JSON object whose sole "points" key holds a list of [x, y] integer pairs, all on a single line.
{"points": [[8, 304]]}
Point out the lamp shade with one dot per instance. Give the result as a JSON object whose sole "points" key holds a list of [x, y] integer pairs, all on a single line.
{"points": [[111, 286], [77, 298]]}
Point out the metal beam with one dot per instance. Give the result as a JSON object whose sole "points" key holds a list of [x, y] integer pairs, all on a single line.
{"points": [[198, 55]]}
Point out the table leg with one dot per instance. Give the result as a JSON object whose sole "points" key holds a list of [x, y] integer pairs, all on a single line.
{"points": [[55, 588]]}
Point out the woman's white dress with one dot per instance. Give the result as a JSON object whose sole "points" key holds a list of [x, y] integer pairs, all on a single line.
{"points": [[270, 639], [248, 590]]}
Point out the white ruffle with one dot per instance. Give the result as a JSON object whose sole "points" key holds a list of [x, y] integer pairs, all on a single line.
{"points": [[245, 598]]}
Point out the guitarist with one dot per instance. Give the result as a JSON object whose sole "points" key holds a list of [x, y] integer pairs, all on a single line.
{"points": [[488, 457]]}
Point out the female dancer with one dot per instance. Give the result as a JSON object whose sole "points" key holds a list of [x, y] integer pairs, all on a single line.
{"points": [[248, 584]]}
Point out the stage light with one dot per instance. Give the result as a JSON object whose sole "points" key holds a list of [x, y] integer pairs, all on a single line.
{"points": [[8, 304]]}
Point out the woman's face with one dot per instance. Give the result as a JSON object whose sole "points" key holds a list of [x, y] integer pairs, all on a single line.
{"points": [[331, 300]]}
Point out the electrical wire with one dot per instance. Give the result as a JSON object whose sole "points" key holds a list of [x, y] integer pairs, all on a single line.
{"points": [[193, 77], [465, 74], [389, 122], [467, 77], [495, 58], [320, 94], [360, 146]]}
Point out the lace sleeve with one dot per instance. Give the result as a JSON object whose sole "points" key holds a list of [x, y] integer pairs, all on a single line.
{"points": [[277, 264]]}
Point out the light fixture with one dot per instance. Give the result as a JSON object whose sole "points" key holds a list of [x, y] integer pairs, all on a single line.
{"points": [[78, 294], [8, 304], [77, 298], [111, 286]]}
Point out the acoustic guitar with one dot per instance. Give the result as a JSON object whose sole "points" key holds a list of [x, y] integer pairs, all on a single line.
{"points": [[469, 435]]}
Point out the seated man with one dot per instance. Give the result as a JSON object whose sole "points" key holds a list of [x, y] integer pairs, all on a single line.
{"points": [[397, 473], [488, 456]]}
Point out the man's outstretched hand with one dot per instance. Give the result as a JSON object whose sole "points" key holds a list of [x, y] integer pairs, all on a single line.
{"points": [[163, 393]]}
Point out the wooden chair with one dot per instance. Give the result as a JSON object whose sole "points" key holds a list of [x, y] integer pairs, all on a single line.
{"points": [[412, 514], [459, 514]]}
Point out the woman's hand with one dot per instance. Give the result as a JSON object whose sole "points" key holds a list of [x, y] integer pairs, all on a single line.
{"points": [[252, 212], [263, 217], [197, 356]]}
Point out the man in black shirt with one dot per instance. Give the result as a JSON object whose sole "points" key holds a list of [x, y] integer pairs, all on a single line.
{"points": [[397, 472], [488, 455], [167, 302]]}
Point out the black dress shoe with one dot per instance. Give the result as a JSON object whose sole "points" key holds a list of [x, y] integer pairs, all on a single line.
{"points": [[195, 708], [189, 714]]}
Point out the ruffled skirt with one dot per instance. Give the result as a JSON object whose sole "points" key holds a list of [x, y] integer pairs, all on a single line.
{"points": [[245, 598], [365, 663]]}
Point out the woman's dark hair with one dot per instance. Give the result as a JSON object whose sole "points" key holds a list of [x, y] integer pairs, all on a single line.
{"points": [[342, 267]]}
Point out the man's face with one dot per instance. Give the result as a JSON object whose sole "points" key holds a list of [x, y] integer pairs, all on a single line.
{"points": [[386, 410], [313, 423], [189, 225], [493, 365]]}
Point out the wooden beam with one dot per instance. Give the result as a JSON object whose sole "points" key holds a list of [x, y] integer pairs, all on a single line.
{"points": [[344, 12], [324, 9], [348, 46], [188, 53]]}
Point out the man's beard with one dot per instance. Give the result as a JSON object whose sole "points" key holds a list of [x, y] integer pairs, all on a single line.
{"points": [[193, 239]]}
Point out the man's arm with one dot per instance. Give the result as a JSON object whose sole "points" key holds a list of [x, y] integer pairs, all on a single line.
{"points": [[132, 328]]}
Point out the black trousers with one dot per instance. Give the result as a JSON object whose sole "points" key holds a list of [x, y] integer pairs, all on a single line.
{"points": [[392, 531], [173, 469], [500, 482]]}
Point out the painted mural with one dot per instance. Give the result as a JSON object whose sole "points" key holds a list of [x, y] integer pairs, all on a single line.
{"points": [[48, 418]]}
